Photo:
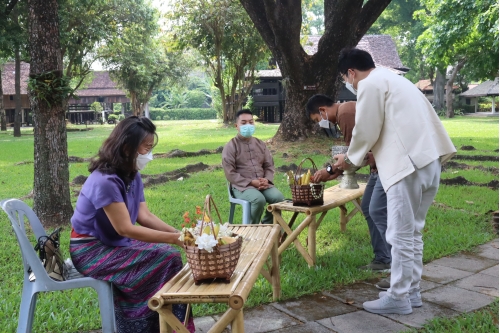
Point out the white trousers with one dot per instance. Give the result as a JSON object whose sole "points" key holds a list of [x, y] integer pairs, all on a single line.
{"points": [[407, 204]]}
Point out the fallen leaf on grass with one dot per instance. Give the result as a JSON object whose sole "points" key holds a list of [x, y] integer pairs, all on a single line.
{"points": [[469, 202], [348, 301]]}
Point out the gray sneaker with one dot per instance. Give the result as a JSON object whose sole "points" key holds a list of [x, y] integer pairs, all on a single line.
{"points": [[377, 266], [415, 298], [384, 284], [387, 304]]}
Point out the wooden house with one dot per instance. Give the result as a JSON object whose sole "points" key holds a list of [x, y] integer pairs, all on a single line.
{"points": [[9, 92], [485, 89], [101, 89]]}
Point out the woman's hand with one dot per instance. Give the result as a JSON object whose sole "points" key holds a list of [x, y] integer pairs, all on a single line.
{"points": [[151, 228]]}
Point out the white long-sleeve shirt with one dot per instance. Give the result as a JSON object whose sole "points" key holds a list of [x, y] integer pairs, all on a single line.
{"points": [[397, 122]]}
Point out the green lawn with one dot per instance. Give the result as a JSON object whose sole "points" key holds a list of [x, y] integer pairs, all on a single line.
{"points": [[457, 221]]}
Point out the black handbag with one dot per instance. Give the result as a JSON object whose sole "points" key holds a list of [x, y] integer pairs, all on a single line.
{"points": [[50, 255]]}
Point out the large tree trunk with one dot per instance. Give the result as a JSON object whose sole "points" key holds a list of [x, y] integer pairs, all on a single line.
{"points": [[17, 97], [3, 121], [438, 91], [51, 184], [449, 89], [279, 23]]}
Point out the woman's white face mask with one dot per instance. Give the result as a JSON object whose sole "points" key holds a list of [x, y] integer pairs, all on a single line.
{"points": [[142, 160]]}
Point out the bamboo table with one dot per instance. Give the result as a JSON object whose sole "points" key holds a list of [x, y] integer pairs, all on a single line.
{"points": [[333, 197], [259, 242]]}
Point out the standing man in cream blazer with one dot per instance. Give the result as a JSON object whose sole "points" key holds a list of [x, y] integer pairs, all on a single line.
{"points": [[398, 124]]}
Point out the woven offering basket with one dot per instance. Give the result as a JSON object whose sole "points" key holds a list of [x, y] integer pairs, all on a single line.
{"points": [[307, 195], [221, 263]]}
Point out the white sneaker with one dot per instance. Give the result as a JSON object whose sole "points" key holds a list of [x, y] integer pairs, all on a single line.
{"points": [[387, 304], [415, 298]]}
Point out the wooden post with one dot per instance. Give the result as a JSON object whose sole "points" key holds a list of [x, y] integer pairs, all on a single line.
{"points": [[275, 272], [311, 239], [238, 323], [343, 218], [225, 320]]}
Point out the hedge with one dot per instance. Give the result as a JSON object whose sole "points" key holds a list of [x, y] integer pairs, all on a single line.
{"points": [[182, 114]]}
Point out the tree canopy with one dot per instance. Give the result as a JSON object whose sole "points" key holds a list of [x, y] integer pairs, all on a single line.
{"points": [[227, 41]]}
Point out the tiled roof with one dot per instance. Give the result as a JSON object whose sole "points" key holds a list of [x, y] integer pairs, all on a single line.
{"points": [[8, 78], [424, 85], [381, 47], [101, 85], [383, 50], [487, 88], [269, 73]]}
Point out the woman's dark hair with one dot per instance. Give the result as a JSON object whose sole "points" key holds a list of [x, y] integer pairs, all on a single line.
{"points": [[317, 101], [354, 58], [118, 153]]}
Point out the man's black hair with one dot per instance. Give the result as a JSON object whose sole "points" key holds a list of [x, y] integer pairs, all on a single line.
{"points": [[315, 102], [351, 58], [243, 111]]}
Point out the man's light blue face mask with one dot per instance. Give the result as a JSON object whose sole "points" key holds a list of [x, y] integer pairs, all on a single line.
{"points": [[247, 130]]}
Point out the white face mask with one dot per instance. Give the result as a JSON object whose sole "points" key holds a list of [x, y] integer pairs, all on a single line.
{"points": [[350, 87], [142, 160], [324, 123]]}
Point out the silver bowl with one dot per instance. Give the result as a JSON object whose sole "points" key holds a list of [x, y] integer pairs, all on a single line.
{"points": [[348, 180]]}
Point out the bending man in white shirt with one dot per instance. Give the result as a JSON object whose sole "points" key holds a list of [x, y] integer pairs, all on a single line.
{"points": [[398, 124]]}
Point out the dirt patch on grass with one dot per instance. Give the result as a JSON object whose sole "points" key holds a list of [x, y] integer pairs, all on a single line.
{"points": [[476, 158], [181, 153], [150, 180], [463, 166], [461, 181]]}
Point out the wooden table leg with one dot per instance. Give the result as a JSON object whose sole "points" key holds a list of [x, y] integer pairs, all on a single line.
{"points": [[225, 320], [343, 218], [171, 320], [292, 237], [164, 326], [290, 225], [311, 239], [275, 272], [238, 323]]}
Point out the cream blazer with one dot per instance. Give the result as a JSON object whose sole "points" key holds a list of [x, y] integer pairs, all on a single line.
{"points": [[398, 124]]}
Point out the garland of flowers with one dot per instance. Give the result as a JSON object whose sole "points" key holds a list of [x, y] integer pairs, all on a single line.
{"points": [[51, 87]]}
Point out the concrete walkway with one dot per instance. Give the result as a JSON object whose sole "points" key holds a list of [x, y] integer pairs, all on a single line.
{"points": [[450, 286]]}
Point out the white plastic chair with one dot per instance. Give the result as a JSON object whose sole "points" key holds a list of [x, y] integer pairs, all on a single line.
{"points": [[245, 205], [18, 211]]}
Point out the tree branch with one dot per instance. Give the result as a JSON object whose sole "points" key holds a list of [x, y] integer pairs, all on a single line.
{"points": [[10, 7], [260, 20], [369, 14]]}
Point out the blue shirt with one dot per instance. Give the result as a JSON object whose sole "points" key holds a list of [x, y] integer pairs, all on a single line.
{"points": [[98, 191]]}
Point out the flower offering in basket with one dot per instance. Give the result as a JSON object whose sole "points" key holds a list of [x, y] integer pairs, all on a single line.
{"points": [[212, 250], [305, 193]]}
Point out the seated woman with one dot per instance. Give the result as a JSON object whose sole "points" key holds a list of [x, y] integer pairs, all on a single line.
{"points": [[106, 244]]}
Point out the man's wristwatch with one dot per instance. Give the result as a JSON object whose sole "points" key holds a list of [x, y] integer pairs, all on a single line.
{"points": [[329, 169]]}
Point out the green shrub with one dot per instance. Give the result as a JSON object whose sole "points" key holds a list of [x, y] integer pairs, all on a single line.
{"points": [[113, 117], [456, 112], [182, 114], [121, 117], [196, 99], [158, 118]]}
